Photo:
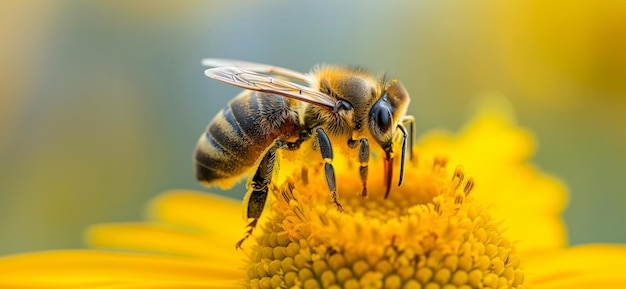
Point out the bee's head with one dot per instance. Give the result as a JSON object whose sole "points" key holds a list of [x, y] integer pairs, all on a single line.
{"points": [[386, 114], [365, 103], [385, 117]]}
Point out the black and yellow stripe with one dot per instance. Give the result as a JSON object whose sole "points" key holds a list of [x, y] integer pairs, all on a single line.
{"points": [[241, 133]]}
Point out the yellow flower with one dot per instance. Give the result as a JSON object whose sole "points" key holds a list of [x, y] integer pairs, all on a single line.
{"points": [[498, 228]]}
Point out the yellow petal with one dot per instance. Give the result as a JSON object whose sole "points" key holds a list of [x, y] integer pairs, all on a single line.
{"points": [[164, 239], [89, 269], [587, 266], [495, 151], [205, 212]]}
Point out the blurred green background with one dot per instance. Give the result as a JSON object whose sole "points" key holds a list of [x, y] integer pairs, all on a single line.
{"points": [[101, 102]]}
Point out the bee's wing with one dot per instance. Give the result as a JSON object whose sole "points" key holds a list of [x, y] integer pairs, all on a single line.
{"points": [[265, 83], [257, 67]]}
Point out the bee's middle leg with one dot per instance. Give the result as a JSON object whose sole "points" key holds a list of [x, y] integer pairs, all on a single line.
{"points": [[326, 149], [364, 157], [292, 146]]}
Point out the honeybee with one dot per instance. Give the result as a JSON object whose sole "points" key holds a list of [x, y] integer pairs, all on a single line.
{"points": [[340, 103]]}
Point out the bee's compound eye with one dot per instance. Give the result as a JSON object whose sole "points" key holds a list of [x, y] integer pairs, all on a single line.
{"points": [[383, 117]]}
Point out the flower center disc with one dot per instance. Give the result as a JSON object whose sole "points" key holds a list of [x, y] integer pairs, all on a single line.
{"points": [[429, 233]]}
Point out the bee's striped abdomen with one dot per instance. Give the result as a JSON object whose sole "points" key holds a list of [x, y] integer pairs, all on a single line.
{"points": [[240, 133]]}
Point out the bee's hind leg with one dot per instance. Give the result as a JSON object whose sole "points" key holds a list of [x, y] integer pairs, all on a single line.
{"points": [[327, 154], [250, 227], [257, 194], [263, 176]]}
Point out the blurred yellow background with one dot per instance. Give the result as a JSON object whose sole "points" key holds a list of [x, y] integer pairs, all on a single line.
{"points": [[101, 102]]}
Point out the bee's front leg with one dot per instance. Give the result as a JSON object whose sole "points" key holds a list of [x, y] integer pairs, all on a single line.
{"points": [[410, 120], [406, 136], [403, 155]]}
